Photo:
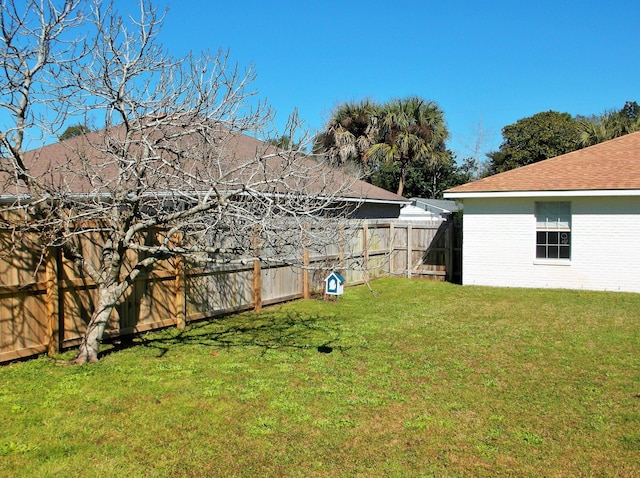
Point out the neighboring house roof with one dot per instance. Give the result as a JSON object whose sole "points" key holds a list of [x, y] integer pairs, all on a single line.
{"points": [[609, 168], [428, 209], [440, 206], [63, 163]]}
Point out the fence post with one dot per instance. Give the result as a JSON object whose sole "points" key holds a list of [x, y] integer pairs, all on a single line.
{"points": [[180, 298], [448, 250], [409, 249], [341, 247], [305, 274], [52, 299], [365, 251], [305, 265], [391, 247], [257, 274]]}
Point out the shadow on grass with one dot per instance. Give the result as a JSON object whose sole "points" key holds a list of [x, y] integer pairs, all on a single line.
{"points": [[269, 331]]}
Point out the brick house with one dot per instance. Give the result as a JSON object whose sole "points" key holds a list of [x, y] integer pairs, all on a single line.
{"points": [[572, 221]]}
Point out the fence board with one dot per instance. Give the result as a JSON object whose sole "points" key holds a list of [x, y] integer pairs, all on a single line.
{"points": [[209, 292]]}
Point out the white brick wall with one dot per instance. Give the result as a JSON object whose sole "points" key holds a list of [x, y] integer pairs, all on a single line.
{"points": [[499, 245]]}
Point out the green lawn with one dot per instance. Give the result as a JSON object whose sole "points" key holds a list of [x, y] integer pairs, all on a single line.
{"points": [[416, 379]]}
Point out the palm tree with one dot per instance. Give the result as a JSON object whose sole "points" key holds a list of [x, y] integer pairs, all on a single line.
{"points": [[601, 128], [412, 130], [350, 133], [609, 125]]}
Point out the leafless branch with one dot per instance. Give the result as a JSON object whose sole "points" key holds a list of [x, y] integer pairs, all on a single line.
{"points": [[171, 169]]}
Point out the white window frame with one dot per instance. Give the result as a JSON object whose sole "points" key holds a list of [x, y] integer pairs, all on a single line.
{"points": [[553, 232]]}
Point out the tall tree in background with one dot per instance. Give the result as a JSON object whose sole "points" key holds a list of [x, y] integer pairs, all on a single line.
{"points": [[284, 142], [72, 131], [412, 131], [549, 134], [161, 178], [387, 142], [474, 163], [529, 140], [610, 124], [425, 181], [350, 133]]}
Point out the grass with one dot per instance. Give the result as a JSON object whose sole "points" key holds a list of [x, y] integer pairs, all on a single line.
{"points": [[418, 379]]}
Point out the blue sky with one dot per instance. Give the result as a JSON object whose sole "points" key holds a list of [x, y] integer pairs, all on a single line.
{"points": [[487, 64]]}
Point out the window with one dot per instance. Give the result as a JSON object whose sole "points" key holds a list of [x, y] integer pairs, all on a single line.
{"points": [[553, 230]]}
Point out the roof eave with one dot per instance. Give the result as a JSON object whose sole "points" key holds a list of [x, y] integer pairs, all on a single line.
{"points": [[546, 193], [369, 200], [10, 198]]}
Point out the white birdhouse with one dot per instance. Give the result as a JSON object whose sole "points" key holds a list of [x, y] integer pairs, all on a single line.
{"points": [[334, 284]]}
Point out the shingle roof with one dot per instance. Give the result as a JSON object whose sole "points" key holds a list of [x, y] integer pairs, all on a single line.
{"points": [[612, 165], [57, 162]]}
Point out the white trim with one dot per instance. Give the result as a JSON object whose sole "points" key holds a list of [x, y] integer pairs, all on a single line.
{"points": [[10, 198], [552, 262], [531, 194], [376, 201]]}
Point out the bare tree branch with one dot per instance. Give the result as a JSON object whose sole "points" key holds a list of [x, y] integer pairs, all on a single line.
{"points": [[171, 171]]}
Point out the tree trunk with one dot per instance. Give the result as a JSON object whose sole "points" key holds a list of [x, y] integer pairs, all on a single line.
{"points": [[89, 347], [403, 176]]}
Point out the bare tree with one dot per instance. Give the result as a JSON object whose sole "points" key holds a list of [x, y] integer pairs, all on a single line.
{"points": [[474, 150], [168, 172]]}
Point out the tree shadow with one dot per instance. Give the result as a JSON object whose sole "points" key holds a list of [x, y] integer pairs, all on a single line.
{"points": [[267, 331]]}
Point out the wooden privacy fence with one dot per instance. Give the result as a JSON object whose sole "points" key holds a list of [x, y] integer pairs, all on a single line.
{"points": [[48, 310]]}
